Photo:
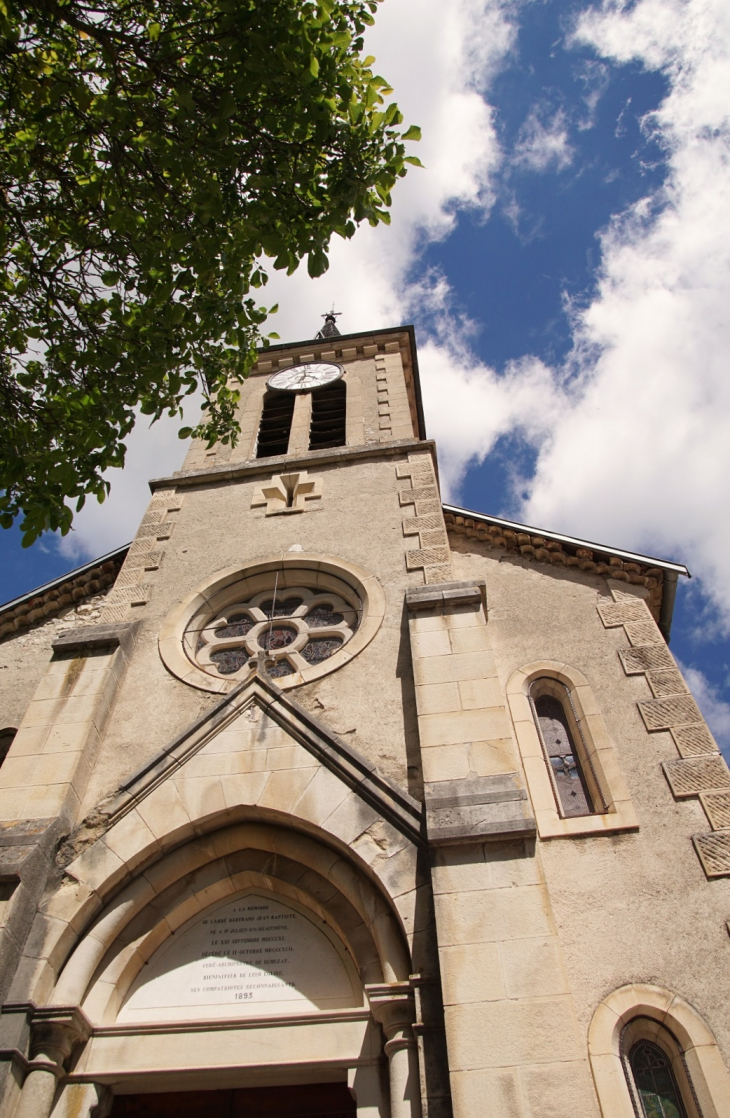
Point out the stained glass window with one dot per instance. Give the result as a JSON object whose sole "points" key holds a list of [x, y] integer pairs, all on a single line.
{"points": [[323, 615], [562, 758], [315, 651], [277, 637], [229, 660], [238, 624], [280, 608], [656, 1086], [297, 627], [279, 669]]}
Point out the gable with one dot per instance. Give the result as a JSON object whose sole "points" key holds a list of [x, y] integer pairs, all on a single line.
{"points": [[256, 754], [247, 743]]}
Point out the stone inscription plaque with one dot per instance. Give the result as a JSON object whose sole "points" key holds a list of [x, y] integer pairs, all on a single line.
{"points": [[252, 956]]}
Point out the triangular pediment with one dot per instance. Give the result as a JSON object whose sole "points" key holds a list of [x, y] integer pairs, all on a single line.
{"points": [[255, 729]]}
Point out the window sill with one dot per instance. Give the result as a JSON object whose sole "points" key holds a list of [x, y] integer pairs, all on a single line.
{"points": [[550, 825]]}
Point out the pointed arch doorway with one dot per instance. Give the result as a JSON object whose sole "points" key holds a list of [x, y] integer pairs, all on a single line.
{"points": [[244, 968]]}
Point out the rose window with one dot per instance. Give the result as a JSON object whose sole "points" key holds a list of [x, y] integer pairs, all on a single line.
{"points": [[283, 634]]}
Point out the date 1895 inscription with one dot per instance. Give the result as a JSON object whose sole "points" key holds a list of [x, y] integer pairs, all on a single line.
{"points": [[251, 955]]}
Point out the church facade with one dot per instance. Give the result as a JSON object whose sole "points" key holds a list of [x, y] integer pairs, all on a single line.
{"points": [[327, 798]]}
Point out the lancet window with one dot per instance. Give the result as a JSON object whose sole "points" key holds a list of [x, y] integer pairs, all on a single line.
{"points": [[656, 1088], [656, 1072], [573, 782]]}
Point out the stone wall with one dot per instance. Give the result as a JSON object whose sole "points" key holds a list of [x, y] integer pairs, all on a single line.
{"points": [[24, 657], [631, 907]]}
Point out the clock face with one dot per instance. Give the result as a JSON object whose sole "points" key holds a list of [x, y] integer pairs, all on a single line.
{"points": [[305, 378]]}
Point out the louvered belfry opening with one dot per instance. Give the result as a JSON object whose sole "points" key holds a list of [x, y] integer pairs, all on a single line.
{"points": [[329, 412], [276, 419]]}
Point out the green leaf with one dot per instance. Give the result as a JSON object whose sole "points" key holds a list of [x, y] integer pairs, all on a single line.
{"points": [[149, 186], [413, 133]]}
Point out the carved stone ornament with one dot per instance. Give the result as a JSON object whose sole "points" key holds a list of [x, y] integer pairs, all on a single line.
{"points": [[287, 493]]}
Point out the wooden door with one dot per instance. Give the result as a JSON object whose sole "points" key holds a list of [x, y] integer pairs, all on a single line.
{"points": [[311, 1100]]}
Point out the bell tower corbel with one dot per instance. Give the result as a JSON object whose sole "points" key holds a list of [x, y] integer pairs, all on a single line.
{"points": [[393, 1006]]}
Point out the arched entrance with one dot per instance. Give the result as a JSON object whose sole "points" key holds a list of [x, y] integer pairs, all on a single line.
{"points": [[252, 967]]}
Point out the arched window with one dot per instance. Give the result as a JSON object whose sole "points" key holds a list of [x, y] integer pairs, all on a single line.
{"points": [[574, 783], [653, 1056], [329, 416], [656, 1071], [6, 740], [275, 426], [655, 1086]]}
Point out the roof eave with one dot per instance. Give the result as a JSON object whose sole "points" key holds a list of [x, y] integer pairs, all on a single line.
{"points": [[670, 570]]}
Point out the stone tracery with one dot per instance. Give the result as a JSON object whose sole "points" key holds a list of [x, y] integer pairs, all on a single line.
{"points": [[300, 628]]}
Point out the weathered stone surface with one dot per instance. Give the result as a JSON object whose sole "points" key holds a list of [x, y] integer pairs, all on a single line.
{"points": [[662, 714], [477, 807], [692, 775], [185, 806], [714, 853]]}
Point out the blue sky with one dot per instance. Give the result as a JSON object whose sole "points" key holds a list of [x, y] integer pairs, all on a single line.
{"points": [[565, 257]]}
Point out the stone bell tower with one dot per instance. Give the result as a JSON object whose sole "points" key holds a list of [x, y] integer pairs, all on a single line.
{"points": [[248, 678]]}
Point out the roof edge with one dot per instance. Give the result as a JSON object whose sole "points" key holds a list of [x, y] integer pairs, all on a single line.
{"points": [[605, 549], [68, 577], [658, 576]]}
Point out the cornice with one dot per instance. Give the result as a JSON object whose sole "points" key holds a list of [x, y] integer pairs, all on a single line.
{"points": [[53, 598], [535, 545], [260, 467]]}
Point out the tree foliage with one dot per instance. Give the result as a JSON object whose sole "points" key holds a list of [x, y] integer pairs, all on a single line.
{"points": [[153, 154]]}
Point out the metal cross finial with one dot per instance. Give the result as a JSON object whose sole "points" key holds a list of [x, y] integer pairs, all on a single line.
{"points": [[329, 330]]}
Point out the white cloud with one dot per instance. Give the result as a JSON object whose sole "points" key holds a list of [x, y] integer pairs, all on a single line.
{"points": [[440, 56], [634, 433], [715, 710], [643, 454], [469, 406], [151, 452], [543, 145], [595, 77], [632, 438]]}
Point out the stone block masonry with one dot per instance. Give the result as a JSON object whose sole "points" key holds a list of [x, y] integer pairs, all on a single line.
{"points": [[700, 772], [132, 587], [421, 496]]}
